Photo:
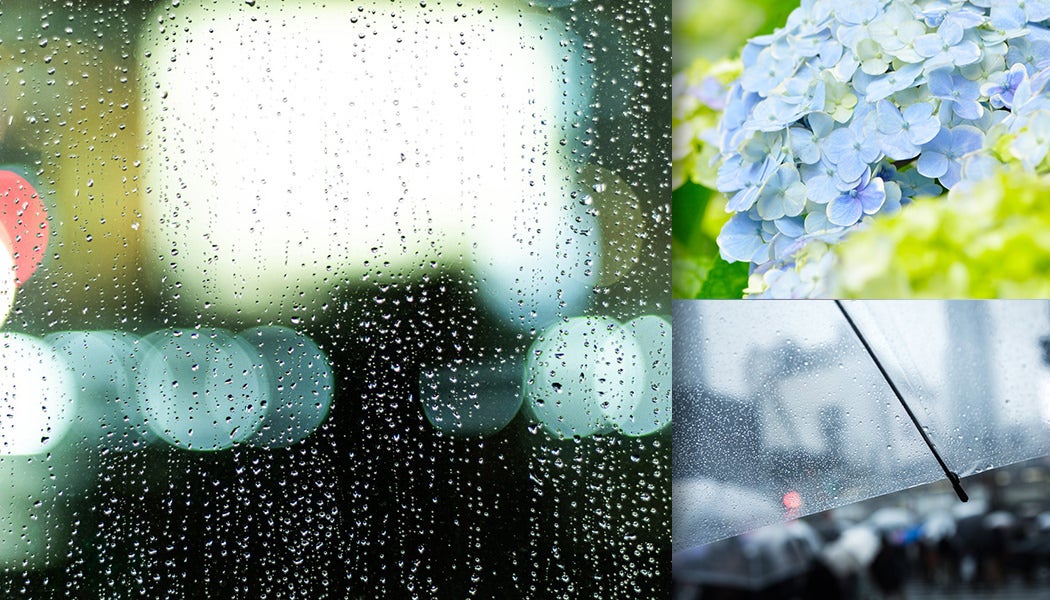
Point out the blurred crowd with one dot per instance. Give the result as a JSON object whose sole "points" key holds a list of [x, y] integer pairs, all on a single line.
{"points": [[879, 550]]}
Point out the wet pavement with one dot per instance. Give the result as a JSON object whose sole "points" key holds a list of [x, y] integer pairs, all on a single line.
{"points": [[1009, 591]]}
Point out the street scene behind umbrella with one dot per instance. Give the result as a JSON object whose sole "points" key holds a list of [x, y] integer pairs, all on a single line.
{"points": [[920, 543]]}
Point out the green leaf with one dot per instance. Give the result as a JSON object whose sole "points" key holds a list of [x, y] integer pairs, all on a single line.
{"points": [[688, 272], [725, 280], [688, 204]]}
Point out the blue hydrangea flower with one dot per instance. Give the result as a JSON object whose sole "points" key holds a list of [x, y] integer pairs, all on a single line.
{"points": [[856, 107], [852, 149], [742, 239], [947, 47], [1032, 141], [866, 198], [941, 158], [901, 133], [1001, 88], [896, 31], [808, 142], [1032, 52], [822, 182], [1015, 14], [893, 82], [783, 195], [957, 93], [855, 12]]}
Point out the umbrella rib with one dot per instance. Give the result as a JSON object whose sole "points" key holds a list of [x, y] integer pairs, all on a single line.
{"points": [[952, 476]]}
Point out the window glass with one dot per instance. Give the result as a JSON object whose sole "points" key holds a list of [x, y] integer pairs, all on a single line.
{"points": [[334, 300]]}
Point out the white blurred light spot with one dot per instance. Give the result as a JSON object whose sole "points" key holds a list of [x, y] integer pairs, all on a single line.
{"points": [[581, 376], [653, 412], [289, 153], [102, 363], [536, 264], [473, 398], [37, 401], [201, 389], [300, 384]]}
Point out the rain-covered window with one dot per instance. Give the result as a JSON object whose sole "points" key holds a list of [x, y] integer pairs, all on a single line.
{"points": [[363, 299]]}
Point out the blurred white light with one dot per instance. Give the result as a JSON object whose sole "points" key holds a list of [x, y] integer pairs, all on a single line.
{"points": [[7, 280], [292, 150], [37, 400], [201, 389], [535, 264], [471, 398], [102, 363], [582, 376], [300, 385], [653, 412]]}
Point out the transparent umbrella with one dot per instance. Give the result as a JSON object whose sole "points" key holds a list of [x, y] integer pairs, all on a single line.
{"points": [[803, 406], [703, 504], [754, 561]]}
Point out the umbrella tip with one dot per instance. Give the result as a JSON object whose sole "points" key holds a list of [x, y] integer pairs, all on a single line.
{"points": [[959, 491]]}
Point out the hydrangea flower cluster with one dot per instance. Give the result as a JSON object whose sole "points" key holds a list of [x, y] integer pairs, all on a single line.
{"points": [[856, 107]]}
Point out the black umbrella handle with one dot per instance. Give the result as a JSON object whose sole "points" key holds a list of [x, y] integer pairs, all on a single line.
{"points": [[952, 476]]}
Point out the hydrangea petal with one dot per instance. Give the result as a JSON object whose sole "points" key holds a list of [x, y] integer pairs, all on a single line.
{"points": [[741, 240], [844, 210], [932, 164]]}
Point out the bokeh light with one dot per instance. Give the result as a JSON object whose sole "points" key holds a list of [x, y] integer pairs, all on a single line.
{"points": [[377, 202], [535, 264], [108, 411], [581, 376], [473, 397], [37, 397], [201, 389], [300, 383], [23, 221], [653, 411], [7, 280]]}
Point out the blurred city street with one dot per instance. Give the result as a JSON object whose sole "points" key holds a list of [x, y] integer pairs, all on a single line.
{"points": [[916, 544], [1013, 591]]}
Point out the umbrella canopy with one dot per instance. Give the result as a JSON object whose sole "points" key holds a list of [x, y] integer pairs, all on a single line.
{"points": [[703, 504], [786, 399], [753, 561]]}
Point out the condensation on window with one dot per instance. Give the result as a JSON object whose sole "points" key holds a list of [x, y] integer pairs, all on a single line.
{"points": [[782, 411], [326, 300]]}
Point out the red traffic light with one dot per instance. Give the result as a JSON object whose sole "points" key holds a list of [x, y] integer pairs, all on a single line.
{"points": [[23, 224]]}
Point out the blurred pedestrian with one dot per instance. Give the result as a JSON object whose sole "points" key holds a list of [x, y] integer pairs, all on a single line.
{"points": [[889, 570]]}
